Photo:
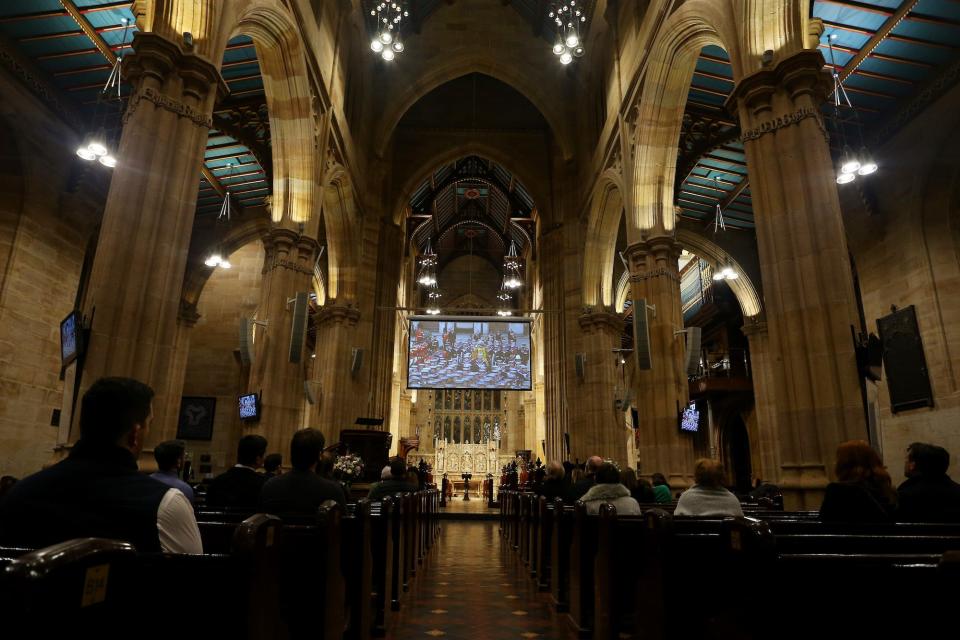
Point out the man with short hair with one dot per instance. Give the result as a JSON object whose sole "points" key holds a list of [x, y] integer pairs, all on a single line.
{"points": [[301, 490], [928, 494], [239, 487], [272, 464], [396, 483], [169, 456], [578, 490], [97, 491]]}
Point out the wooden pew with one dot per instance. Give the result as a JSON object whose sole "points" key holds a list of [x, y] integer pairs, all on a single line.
{"points": [[95, 587], [583, 550], [312, 585], [869, 585], [356, 565], [616, 573], [541, 564], [382, 552], [560, 556]]}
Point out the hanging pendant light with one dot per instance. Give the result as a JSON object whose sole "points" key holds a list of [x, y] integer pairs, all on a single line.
{"points": [[386, 20], [98, 146], [569, 19], [511, 268]]}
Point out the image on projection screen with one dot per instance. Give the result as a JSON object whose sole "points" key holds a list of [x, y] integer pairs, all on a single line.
{"points": [[469, 353]]}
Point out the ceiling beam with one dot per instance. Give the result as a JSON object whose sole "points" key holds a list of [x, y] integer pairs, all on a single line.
{"points": [[877, 38], [894, 38], [733, 195], [78, 52], [57, 13], [883, 11], [212, 180], [68, 34], [90, 31]]}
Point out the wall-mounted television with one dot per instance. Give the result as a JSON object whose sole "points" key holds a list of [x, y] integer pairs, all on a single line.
{"points": [[693, 416], [249, 407], [71, 337], [469, 352]]}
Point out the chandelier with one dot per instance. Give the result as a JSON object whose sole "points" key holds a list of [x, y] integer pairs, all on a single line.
{"points": [[428, 267], [511, 268], [433, 299], [100, 146], [387, 18], [504, 297], [851, 164], [569, 18]]}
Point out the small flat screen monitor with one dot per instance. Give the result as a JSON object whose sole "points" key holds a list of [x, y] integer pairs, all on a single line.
{"points": [[693, 417], [70, 329], [457, 352], [249, 407]]}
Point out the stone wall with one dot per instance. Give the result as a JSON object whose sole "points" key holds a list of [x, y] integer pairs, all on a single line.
{"points": [[213, 369], [906, 253]]}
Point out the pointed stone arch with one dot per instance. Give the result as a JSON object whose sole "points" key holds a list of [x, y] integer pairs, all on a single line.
{"points": [[343, 233], [606, 210], [746, 292], [452, 67], [662, 103]]}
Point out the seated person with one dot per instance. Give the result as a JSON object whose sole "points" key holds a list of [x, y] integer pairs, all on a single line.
{"points": [[863, 491], [97, 491], [271, 465], [555, 485], [169, 456], [708, 497], [396, 483], [584, 484], [609, 489], [239, 487], [640, 490], [661, 489], [928, 494], [301, 490]]}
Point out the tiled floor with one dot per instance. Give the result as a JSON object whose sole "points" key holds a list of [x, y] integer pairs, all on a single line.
{"points": [[472, 588]]}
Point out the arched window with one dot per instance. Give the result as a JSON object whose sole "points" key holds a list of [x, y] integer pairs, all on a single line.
{"points": [[456, 430], [487, 429], [437, 429], [468, 400], [476, 430], [487, 400], [448, 400], [447, 434], [457, 400], [496, 400], [438, 399]]}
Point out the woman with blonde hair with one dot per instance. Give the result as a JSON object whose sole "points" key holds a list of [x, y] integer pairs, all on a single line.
{"points": [[863, 491]]}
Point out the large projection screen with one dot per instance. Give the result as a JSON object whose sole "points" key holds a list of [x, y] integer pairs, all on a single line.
{"points": [[469, 352]]}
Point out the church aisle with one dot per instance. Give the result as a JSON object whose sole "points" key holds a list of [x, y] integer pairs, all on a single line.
{"points": [[473, 588]]}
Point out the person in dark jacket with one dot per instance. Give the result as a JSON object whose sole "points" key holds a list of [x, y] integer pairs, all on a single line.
{"points": [[578, 490], [272, 464], [301, 491], [928, 494], [863, 491], [239, 487], [396, 483], [97, 491], [555, 484]]}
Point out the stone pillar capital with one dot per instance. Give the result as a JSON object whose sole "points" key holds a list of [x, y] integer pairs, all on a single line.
{"points": [[337, 314], [802, 74], [187, 315], [288, 249], [154, 60], [601, 322], [653, 257], [754, 326]]}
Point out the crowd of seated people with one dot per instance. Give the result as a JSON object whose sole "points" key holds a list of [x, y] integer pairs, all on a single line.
{"points": [[99, 491], [863, 490]]}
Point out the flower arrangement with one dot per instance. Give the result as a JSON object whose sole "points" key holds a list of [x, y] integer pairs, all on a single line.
{"points": [[348, 467]]}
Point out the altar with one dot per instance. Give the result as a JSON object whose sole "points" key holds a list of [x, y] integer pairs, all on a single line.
{"points": [[454, 459]]}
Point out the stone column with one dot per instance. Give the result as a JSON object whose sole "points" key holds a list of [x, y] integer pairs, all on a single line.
{"points": [[341, 395], [662, 390], [137, 274], [287, 270], [805, 265], [763, 441], [598, 425]]}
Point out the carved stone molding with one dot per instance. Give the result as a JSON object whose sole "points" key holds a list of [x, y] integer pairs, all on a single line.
{"points": [[187, 315], [754, 326], [337, 314], [288, 249], [662, 249], [601, 322], [154, 58], [801, 73]]}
